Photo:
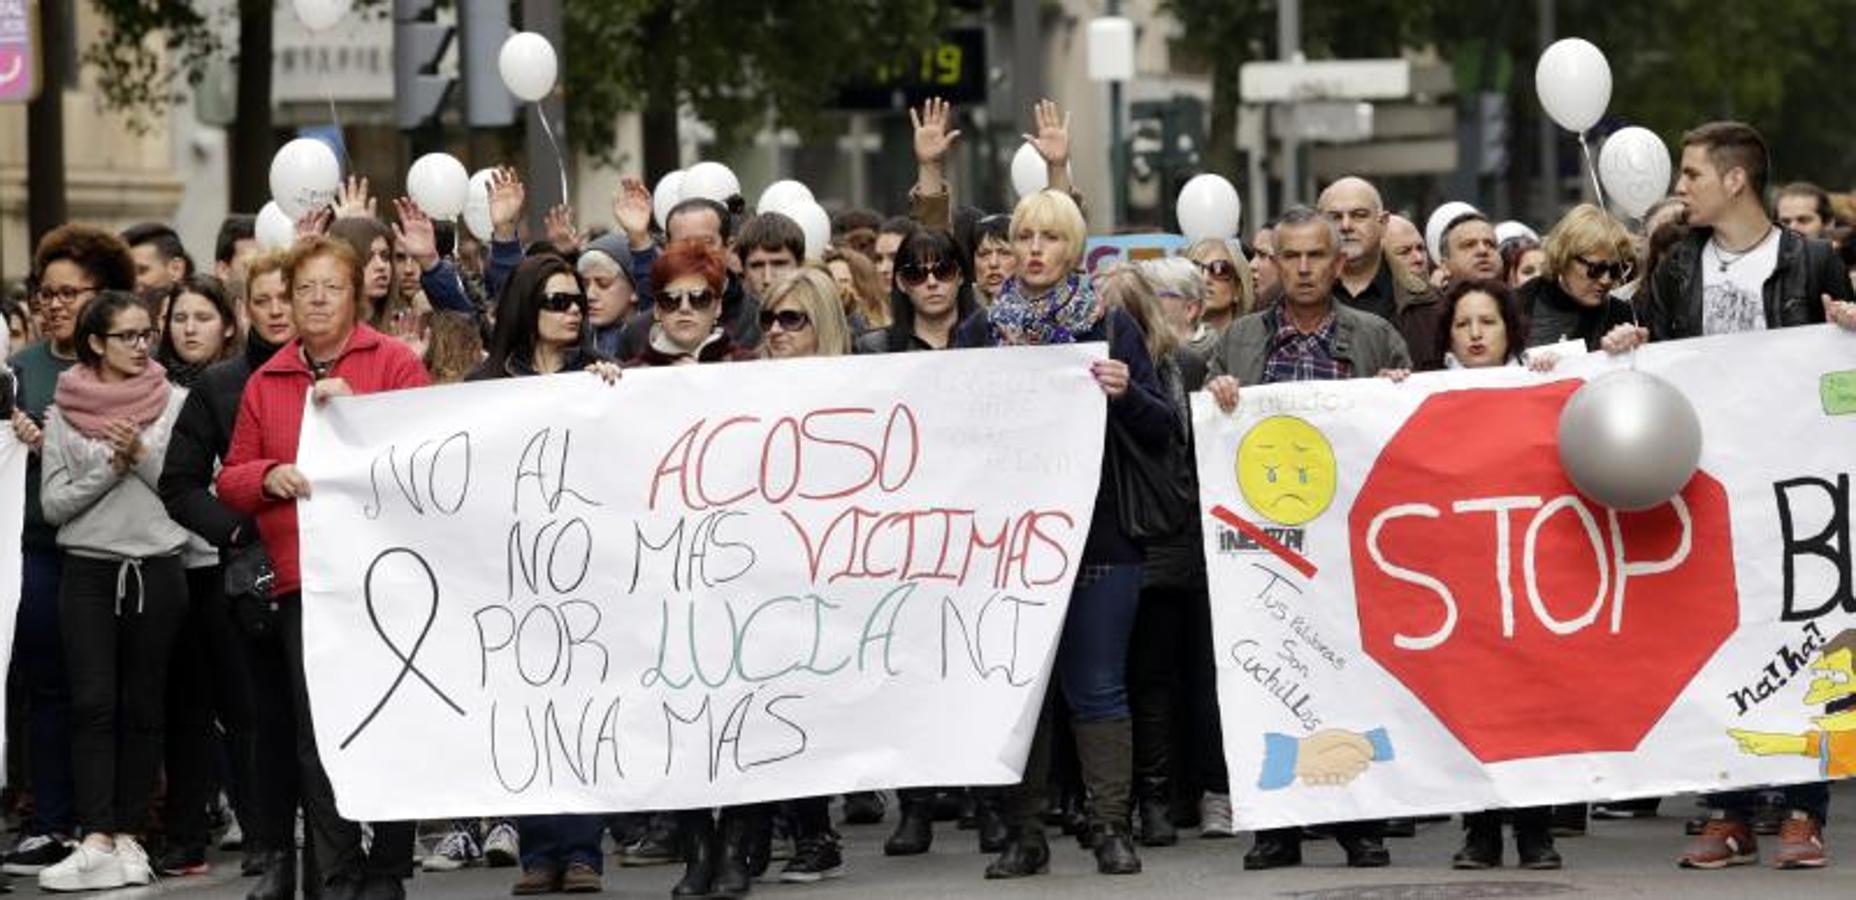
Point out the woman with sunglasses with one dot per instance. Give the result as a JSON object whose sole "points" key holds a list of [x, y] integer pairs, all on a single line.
{"points": [[1050, 302], [1589, 254], [932, 294], [687, 309], [124, 591], [1230, 292], [542, 328]]}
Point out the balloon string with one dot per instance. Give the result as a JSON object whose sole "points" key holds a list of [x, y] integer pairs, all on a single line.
{"points": [[558, 159], [341, 139], [1592, 170]]}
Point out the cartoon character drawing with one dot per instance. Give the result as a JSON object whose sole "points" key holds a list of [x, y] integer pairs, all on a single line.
{"points": [[1329, 758], [1286, 470], [1833, 742]]}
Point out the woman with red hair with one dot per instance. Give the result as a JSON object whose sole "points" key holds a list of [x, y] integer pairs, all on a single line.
{"points": [[689, 277]]}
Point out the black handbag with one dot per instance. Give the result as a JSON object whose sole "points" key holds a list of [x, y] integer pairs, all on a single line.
{"points": [[1155, 493], [248, 580]]}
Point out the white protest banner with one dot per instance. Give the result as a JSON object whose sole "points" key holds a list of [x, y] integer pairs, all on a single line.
{"points": [[1415, 612], [700, 586], [12, 522]]}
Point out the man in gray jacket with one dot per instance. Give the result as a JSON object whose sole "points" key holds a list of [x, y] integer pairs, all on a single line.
{"points": [[1307, 337]]}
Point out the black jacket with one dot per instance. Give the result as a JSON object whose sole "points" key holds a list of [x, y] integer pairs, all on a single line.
{"points": [[1554, 316], [202, 434], [1806, 271], [740, 319]]}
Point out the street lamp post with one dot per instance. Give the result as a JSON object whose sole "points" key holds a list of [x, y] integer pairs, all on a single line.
{"points": [[1111, 59]]}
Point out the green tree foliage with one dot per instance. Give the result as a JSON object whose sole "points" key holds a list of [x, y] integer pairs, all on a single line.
{"points": [[146, 48]]}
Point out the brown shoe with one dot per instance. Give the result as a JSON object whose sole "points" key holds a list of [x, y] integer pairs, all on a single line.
{"points": [[581, 879], [1723, 842], [1801, 843], [540, 879]]}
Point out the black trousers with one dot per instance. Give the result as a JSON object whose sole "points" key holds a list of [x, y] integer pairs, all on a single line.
{"points": [[275, 779], [338, 841], [119, 620], [209, 693]]}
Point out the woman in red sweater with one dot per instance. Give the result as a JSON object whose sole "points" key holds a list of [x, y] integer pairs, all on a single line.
{"points": [[335, 355]]}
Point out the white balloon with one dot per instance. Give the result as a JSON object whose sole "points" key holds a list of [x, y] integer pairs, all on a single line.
{"points": [[1208, 207], [439, 184], [784, 195], [1573, 80], [1029, 173], [1439, 220], [304, 176], [477, 205], [1634, 168], [665, 197], [710, 181], [528, 65], [816, 224], [274, 230], [321, 15], [1629, 440], [1510, 230]]}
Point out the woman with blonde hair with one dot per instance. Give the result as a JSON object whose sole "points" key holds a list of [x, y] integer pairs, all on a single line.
{"points": [[802, 315], [865, 297], [1047, 301], [1589, 255], [1230, 287]]}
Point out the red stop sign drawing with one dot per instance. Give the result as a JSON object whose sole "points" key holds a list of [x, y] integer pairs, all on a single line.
{"points": [[1530, 620]]}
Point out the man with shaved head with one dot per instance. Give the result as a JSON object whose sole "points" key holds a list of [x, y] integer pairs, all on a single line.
{"points": [[1369, 281], [1405, 243]]}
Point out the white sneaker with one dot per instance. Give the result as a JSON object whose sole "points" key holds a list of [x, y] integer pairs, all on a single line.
{"points": [[454, 851], [1215, 816], [234, 836], [86, 869], [500, 848], [134, 861]]}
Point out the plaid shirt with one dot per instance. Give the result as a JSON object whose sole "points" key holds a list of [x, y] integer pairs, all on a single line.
{"points": [[1295, 356]]}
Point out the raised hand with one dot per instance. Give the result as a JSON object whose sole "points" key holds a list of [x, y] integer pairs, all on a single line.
{"points": [[507, 199], [352, 199], [932, 137], [631, 209], [561, 231], [1052, 141], [415, 234], [315, 222]]}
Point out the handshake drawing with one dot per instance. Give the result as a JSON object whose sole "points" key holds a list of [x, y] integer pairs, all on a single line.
{"points": [[1329, 758]]}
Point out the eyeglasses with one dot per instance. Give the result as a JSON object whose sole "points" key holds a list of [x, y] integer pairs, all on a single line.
{"points": [[1219, 269], [561, 301], [695, 301], [787, 319], [309, 290], [915, 274], [65, 295], [135, 338], [1596, 269]]}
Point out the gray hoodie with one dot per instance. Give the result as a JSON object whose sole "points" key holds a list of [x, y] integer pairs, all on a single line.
{"points": [[102, 513]]}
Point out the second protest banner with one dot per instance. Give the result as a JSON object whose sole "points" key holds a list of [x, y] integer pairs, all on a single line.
{"points": [[700, 586], [1415, 611]]}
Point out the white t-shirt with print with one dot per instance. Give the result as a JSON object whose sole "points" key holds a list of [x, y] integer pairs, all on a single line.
{"points": [[1733, 301]]}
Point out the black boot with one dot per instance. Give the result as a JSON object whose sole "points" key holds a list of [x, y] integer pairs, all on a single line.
{"points": [[1533, 840], [1025, 854], [1364, 844], [1115, 854], [696, 832], [863, 808], [1105, 754], [279, 879], [914, 832], [991, 821], [1275, 848], [1155, 810], [734, 865], [1482, 842]]}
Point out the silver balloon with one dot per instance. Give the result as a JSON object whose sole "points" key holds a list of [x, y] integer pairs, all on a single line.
{"points": [[1629, 440]]}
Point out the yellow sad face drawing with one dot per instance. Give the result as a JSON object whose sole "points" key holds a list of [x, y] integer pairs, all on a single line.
{"points": [[1286, 470]]}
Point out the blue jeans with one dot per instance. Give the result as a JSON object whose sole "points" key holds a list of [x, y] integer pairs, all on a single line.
{"points": [[38, 649], [1812, 797], [1092, 658], [561, 840]]}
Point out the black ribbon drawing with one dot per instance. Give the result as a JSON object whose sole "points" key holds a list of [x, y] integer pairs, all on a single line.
{"points": [[405, 658]]}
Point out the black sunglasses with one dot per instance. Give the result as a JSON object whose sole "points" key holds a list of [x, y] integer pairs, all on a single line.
{"points": [[914, 274], [1219, 269], [788, 320], [1619, 271], [696, 301], [559, 301]]}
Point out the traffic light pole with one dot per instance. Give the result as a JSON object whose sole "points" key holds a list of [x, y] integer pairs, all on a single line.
{"points": [[1117, 142], [544, 184]]}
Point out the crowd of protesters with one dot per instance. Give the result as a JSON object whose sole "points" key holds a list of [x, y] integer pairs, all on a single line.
{"points": [[158, 689]]}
